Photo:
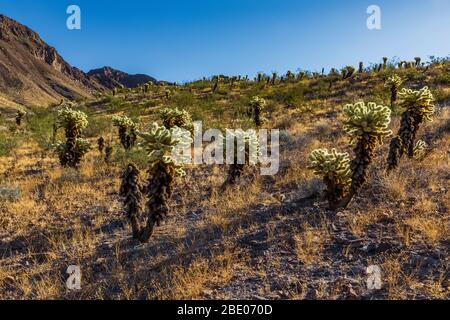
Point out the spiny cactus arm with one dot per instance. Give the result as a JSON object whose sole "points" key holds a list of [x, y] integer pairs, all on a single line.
{"points": [[123, 121], [334, 168], [130, 191], [419, 102], [71, 119], [395, 80], [372, 120]]}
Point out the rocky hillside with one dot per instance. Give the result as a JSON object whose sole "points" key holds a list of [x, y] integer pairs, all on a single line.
{"points": [[267, 237], [111, 78]]}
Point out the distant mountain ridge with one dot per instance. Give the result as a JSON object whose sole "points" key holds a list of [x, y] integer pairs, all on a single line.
{"points": [[112, 78], [34, 73]]}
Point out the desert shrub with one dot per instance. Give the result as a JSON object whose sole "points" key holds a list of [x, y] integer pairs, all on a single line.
{"points": [[418, 108], [9, 193], [127, 131], [7, 143], [74, 148]]}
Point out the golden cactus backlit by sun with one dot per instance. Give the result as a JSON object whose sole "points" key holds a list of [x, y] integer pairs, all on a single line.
{"points": [[331, 165], [418, 101], [372, 120]]}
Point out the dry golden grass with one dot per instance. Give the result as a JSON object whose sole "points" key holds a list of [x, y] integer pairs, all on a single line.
{"points": [[258, 239]]}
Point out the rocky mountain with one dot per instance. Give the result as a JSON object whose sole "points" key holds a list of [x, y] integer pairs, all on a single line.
{"points": [[33, 73], [111, 78]]}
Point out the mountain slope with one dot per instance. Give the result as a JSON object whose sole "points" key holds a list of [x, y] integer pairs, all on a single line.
{"points": [[112, 78], [33, 73]]}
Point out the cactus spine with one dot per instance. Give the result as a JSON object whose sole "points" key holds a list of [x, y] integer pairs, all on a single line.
{"points": [[418, 108]]}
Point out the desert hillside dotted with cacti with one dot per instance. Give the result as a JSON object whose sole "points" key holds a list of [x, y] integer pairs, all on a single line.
{"points": [[363, 183]]}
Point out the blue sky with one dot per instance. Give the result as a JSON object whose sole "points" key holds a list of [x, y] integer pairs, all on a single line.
{"points": [[180, 40]]}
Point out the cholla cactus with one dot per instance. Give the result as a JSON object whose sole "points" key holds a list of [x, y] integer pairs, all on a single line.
{"points": [[173, 117], [161, 145], [127, 131], [385, 61], [249, 147], [334, 167], [361, 67], [19, 116], [347, 72], [274, 78], [394, 84], [71, 152], [131, 193], [419, 108], [367, 125], [256, 106], [418, 61]]}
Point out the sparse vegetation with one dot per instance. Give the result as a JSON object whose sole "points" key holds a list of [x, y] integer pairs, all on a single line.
{"points": [[225, 227]]}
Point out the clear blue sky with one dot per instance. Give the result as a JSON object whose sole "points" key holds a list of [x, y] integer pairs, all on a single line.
{"points": [[179, 40]]}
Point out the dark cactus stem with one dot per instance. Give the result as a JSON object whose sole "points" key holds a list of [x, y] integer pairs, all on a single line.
{"points": [[394, 153], [101, 144], [364, 152], [333, 193], [417, 119], [405, 140], [216, 84], [257, 116], [70, 158], [19, 117], [394, 92], [124, 137], [159, 191], [361, 67], [131, 193]]}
